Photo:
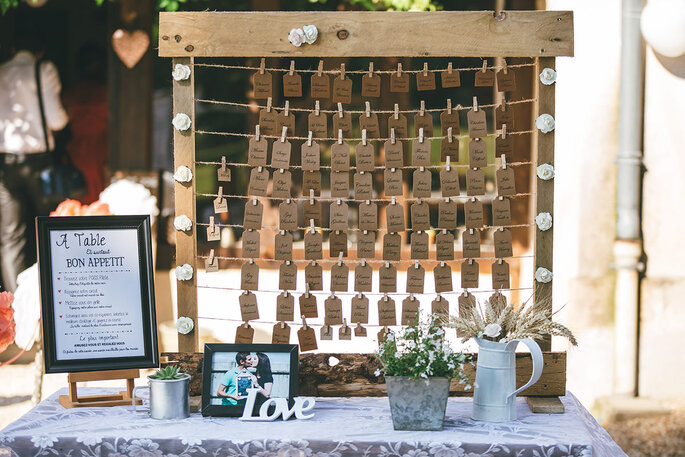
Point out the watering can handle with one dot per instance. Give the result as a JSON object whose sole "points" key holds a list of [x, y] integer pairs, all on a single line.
{"points": [[133, 396], [538, 363]]}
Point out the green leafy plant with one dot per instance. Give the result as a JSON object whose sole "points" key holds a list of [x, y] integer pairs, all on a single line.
{"points": [[167, 373], [420, 351]]}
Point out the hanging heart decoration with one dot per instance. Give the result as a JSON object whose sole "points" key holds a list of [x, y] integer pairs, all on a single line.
{"points": [[130, 46]]}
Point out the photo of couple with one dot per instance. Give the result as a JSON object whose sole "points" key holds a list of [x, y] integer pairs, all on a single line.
{"points": [[253, 370]]}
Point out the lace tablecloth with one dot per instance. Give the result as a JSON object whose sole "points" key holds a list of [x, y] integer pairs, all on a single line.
{"points": [[341, 427]]}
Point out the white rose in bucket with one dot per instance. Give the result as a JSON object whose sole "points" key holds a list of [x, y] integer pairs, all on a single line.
{"points": [[545, 171], [544, 221], [296, 37], [183, 223], [184, 272], [548, 76], [492, 330], [545, 122], [181, 122], [181, 72], [311, 33], [184, 325], [183, 174], [543, 275]]}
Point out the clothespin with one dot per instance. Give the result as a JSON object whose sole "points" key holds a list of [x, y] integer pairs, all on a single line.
{"points": [[286, 111], [411, 296], [310, 136], [340, 259], [504, 131], [397, 111], [450, 138], [448, 167], [256, 132], [254, 201], [385, 296], [393, 139], [418, 200], [339, 201], [425, 69], [246, 292], [393, 170], [444, 231], [269, 104], [475, 103], [470, 261], [366, 232], [500, 198], [342, 71], [499, 261], [442, 263], [340, 111], [251, 261], [394, 200], [485, 66], [360, 295], [504, 65], [416, 264], [262, 64], [501, 229], [282, 324], [449, 68], [471, 231], [220, 194], [371, 69], [246, 325], [285, 292], [399, 69], [422, 110], [211, 256], [504, 161], [304, 323], [317, 108], [281, 170], [211, 224], [223, 163], [363, 138], [340, 136], [306, 290], [421, 135], [367, 111], [447, 199], [387, 264], [363, 262], [311, 197], [474, 199], [449, 106], [260, 168], [368, 202], [288, 201], [466, 293], [292, 68], [283, 133], [332, 295], [320, 70], [311, 226]]}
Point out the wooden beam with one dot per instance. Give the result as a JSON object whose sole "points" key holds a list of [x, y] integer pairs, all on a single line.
{"points": [[186, 246], [357, 34], [545, 405]]}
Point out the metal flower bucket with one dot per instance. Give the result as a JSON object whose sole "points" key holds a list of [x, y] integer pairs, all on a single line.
{"points": [[169, 399], [417, 404]]}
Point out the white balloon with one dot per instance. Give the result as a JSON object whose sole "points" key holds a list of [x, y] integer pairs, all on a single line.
{"points": [[663, 26]]}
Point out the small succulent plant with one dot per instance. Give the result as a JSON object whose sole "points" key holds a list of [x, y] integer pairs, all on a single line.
{"points": [[167, 373]]}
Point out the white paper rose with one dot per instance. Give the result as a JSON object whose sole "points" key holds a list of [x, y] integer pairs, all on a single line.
{"points": [[181, 72], [296, 37], [311, 33], [183, 174], [181, 122], [184, 272], [183, 223], [544, 221], [492, 330], [184, 325], [545, 171], [548, 76], [545, 122], [543, 275]]}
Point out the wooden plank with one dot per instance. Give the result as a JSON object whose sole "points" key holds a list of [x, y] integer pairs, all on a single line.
{"points": [[545, 405], [544, 153], [357, 34], [132, 373], [186, 245]]}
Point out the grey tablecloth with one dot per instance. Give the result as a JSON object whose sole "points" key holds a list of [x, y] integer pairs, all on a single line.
{"points": [[341, 427]]}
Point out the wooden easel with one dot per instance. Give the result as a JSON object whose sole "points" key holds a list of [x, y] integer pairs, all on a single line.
{"points": [[122, 399]]}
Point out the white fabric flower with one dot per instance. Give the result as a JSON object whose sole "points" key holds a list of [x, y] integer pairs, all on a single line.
{"points": [[43, 441], [184, 325], [545, 171], [548, 76], [311, 33], [543, 275], [545, 122], [184, 272], [128, 197], [296, 37], [544, 221], [183, 223], [181, 122], [377, 372], [183, 174], [191, 441], [181, 72], [89, 440], [492, 330]]}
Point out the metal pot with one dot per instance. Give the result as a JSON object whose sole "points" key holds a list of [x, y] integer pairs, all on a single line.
{"points": [[169, 399], [417, 404]]}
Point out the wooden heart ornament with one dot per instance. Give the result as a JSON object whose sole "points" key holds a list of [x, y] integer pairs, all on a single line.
{"points": [[130, 46]]}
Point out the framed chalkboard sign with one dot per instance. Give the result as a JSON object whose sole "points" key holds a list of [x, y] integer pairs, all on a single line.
{"points": [[97, 293]]}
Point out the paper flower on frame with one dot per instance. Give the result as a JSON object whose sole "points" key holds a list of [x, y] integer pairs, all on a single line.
{"points": [[545, 123], [548, 76], [311, 33], [184, 272], [184, 325], [181, 122], [545, 171], [181, 72], [183, 223], [544, 221], [296, 37], [543, 275], [183, 174]]}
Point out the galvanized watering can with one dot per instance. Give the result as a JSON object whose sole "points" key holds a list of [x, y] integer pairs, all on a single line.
{"points": [[169, 399], [494, 395]]}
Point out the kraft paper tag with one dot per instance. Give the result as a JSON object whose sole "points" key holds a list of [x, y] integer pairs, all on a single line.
{"points": [[364, 156], [360, 310], [344, 333], [250, 244], [424, 122], [473, 213], [360, 331], [477, 124], [213, 235], [340, 156], [370, 123], [248, 306], [287, 216], [478, 153], [394, 154], [287, 276], [366, 245], [450, 78], [502, 241], [342, 90], [371, 85], [410, 311], [280, 333], [506, 81], [313, 245], [262, 85], [394, 218], [415, 279], [498, 301], [421, 153], [285, 307], [337, 243], [282, 184], [211, 265], [484, 78], [504, 145], [268, 122], [500, 275], [280, 154], [506, 183], [292, 85], [449, 182], [400, 126], [475, 182], [223, 174], [501, 211], [419, 245], [252, 218], [425, 80], [469, 274], [444, 246], [283, 246], [308, 306], [313, 275], [318, 124], [441, 307], [422, 183], [383, 334], [448, 120], [449, 149], [326, 333], [332, 311], [470, 244], [387, 278], [312, 211], [363, 279], [338, 216], [363, 186], [443, 278], [259, 180], [244, 334], [220, 205], [399, 83], [320, 87], [420, 216], [342, 123], [286, 121], [504, 114], [392, 246], [340, 184], [307, 339], [311, 156], [467, 304], [311, 180], [339, 277], [386, 312], [392, 182], [249, 276], [447, 214], [368, 216]]}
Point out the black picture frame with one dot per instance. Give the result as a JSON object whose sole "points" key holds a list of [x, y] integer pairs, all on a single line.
{"points": [[139, 223], [209, 408]]}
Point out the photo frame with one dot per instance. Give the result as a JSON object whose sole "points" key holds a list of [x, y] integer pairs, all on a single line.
{"points": [[233, 368], [97, 293]]}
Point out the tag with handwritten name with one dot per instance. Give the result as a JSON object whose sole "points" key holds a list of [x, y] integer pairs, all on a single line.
{"points": [[312, 210], [415, 279], [280, 333], [392, 182], [313, 275], [392, 246], [422, 183], [326, 333], [387, 278], [473, 213], [444, 246], [441, 307], [504, 114], [248, 306], [502, 242], [259, 180], [249, 276], [268, 122], [360, 310], [343, 123], [338, 216], [280, 154], [484, 78], [257, 151], [447, 214], [501, 211], [292, 85], [318, 125], [500, 275], [313, 249], [337, 243], [394, 216], [244, 334], [364, 156], [475, 182], [211, 265], [449, 182], [371, 85], [420, 216], [443, 278], [450, 78], [504, 145], [399, 82], [333, 311], [311, 180], [285, 307], [477, 124], [363, 278], [363, 186], [424, 121], [220, 205], [282, 184], [419, 245], [339, 277], [410, 311], [506, 183], [469, 274], [286, 119], [340, 184], [370, 124], [311, 156], [287, 219], [262, 85], [252, 218], [307, 339], [399, 124], [470, 244], [366, 245], [251, 244], [340, 156], [506, 81], [394, 154], [478, 153], [320, 87], [386, 311], [308, 306], [283, 246], [368, 216], [421, 153], [342, 90], [287, 276]]}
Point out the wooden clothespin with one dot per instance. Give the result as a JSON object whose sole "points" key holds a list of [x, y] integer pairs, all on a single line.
{"points": [[283, 133], [504, 65], [342, 71], [220, 194], [251, 261], [340, 258], [387, 265], [499, 261], [320, 70], [450, 138], [363, 262], [211, 256], [448, 167], [340, 110], [340, 136], [367, 110], [223, 163], [371, 69], [281, 170], [292, 68], [466, 293], [262, 64], [311, 198], [317, 108], [422, 109], [421, 135], [256, 132], [269, 104], [286, 111], [394, 200], [304, 322], [393, 139], [282, 324], [449, 68], [411, 296], [485, 66], [246, 325], [504, 131], [306, 289], [254, 201], [442, 263], [470, 261], [449, 106], [471, 231], [416, 264], [332, 296], [363, 138], [360, 295], [311, 226], [425, 69], [397, 111], [475, 103], [211, 224], [399, 69], [385, 294], [310, 136], [504, 161]]}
